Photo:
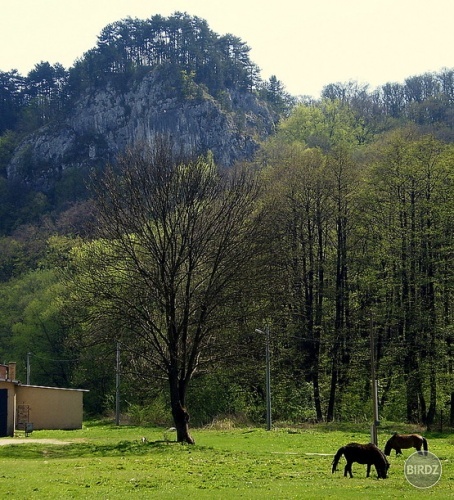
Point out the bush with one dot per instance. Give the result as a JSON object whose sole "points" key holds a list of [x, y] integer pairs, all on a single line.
{"points": [[155, 413]]}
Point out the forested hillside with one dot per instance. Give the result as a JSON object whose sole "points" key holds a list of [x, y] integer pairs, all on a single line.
{"points": [[163, 75], [327, 223]]}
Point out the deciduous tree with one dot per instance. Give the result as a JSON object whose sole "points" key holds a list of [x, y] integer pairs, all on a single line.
{"points": [[175, 239]]}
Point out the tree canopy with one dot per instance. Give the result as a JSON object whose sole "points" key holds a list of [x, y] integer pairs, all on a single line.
{"points": [[175, 238]]}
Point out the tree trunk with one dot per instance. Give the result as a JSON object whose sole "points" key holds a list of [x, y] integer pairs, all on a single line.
{"points": [[416, 406], [333, 386], [430, 419], [317, 400], [422, 403], [451, 413], [181, 420], [179, 412]]}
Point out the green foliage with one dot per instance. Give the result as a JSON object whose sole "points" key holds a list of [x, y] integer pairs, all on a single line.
{"points": [[292, 402], [273, 91], [154, 413], [179, 41], [190, 89], [357, 234], [8, 141], [218, 396], [32, 323], [323, 125], [13, 259]]}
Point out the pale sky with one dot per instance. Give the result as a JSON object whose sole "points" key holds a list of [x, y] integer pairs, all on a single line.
{"points": [[307, 43]]}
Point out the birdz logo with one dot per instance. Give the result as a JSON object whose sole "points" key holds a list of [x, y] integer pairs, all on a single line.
{"points": [[422, 469]]}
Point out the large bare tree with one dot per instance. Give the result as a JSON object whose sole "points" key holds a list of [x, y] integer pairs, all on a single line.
{"points": [[175, 240]]}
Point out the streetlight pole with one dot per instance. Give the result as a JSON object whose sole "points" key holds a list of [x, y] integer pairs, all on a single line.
{"points": [[268, 376]]}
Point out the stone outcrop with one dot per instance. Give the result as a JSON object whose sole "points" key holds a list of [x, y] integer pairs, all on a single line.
{"points": [[104, 121]]}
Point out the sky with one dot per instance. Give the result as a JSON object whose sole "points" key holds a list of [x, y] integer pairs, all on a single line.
{"points": [[306, 44]]}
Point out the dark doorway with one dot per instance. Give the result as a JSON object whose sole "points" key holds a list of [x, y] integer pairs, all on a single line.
{"points": [[3, 412]]}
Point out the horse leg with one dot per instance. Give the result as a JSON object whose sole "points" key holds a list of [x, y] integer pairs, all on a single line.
{"points": [[398, 451], [348, 469], [368, 470]]}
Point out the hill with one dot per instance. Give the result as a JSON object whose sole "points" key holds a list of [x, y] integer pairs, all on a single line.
{"points": [[171, 76]]}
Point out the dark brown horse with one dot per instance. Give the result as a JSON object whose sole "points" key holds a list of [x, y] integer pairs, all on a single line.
{"points": [[363, 454], [403, 441]]}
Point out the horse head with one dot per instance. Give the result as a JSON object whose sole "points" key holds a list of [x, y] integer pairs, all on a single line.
{"points": [[388, 447], [382, 470]]}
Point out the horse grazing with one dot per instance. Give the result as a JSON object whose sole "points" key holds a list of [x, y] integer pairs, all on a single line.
{"points": [[399, 441], [363, 454]]}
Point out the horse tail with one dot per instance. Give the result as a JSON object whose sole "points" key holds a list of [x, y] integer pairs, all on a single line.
{"points": [[424, 444], [337, 457]]}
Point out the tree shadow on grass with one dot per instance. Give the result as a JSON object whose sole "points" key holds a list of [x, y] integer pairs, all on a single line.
{"points": [[76, 450]]}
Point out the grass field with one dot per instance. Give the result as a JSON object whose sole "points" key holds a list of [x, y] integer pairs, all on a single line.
{"points": [[108, 462]]}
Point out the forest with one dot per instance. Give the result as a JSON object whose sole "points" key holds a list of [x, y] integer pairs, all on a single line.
{"points": [[337, 239]]}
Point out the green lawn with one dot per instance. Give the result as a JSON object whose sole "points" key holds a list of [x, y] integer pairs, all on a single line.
{"points": [[108, 462]]}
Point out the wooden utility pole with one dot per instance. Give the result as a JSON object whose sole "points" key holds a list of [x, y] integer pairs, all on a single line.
{"points": [[373, 433], [28, 367], [117, 388]]}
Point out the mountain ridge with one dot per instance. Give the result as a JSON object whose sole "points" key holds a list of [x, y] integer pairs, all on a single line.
{"points": [[105, 121]]}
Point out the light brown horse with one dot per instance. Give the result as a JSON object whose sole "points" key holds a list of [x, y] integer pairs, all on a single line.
{"points": [[403, 441]]}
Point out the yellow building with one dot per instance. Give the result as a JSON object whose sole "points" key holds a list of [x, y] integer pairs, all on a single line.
{"points": [[31, 407]]}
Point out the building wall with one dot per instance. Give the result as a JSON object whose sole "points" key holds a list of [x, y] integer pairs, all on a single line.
{"points": [[52, 408], [11, 404]]}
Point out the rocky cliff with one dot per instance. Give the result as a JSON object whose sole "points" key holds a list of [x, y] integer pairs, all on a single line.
{"points": [[104, 121]]}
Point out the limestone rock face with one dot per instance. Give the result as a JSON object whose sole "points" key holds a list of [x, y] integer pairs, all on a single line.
{"points": [[106, 120]]}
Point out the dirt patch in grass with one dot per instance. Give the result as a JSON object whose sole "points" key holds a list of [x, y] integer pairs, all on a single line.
{"points": [[8, 441]]}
